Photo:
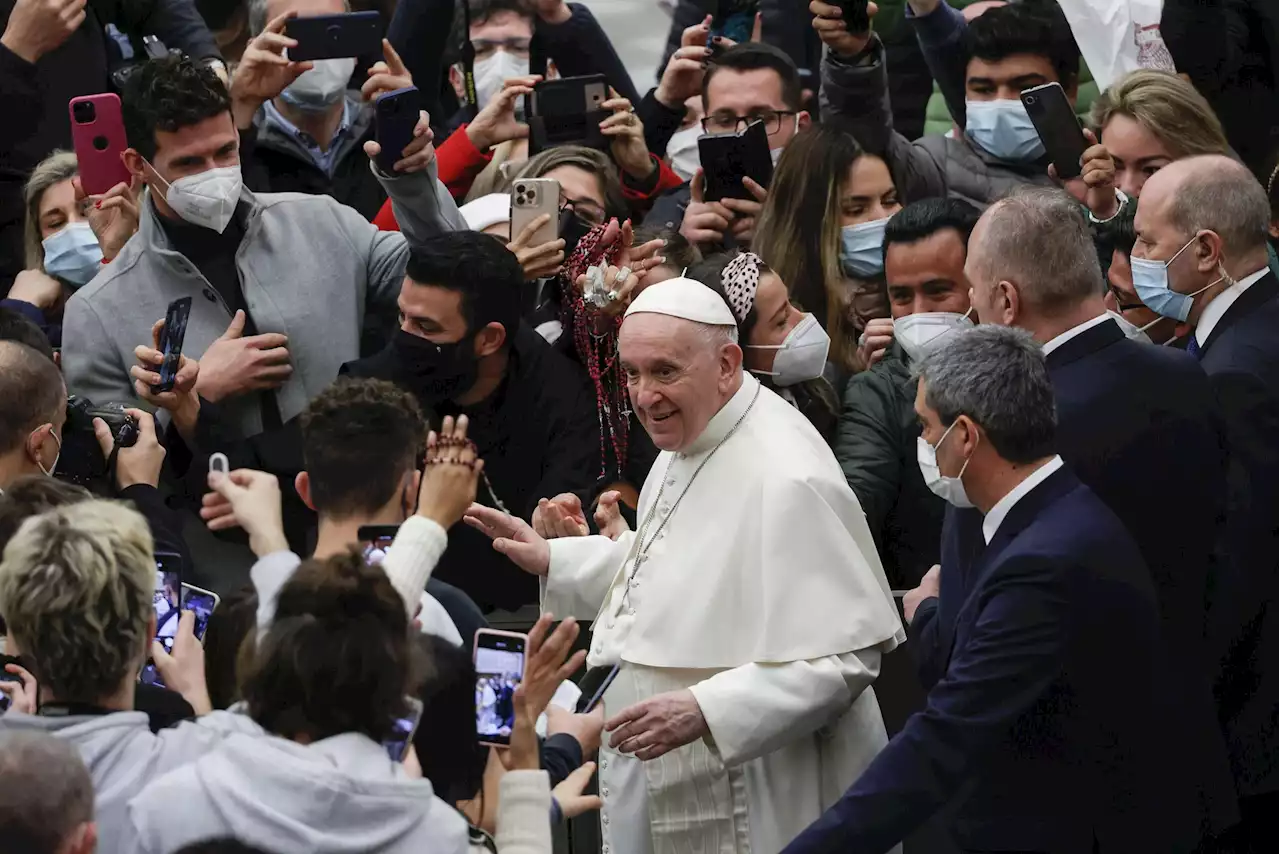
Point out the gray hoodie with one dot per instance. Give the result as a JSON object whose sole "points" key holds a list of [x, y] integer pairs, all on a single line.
{"points": [[123, 755], [338, 795]]}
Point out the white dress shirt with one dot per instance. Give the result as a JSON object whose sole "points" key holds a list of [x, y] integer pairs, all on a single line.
{"points": [[1218, 306], [992, 522], [1059, 340]]}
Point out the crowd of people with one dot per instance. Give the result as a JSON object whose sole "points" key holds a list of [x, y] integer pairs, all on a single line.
{"points": [[916, 403]]}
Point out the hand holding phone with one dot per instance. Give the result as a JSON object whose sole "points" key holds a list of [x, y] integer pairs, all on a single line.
{"points": [[335, 36], [395, 115], [406, 726], [1058, 128], [172, 336], [500, 661], [728, 158]]}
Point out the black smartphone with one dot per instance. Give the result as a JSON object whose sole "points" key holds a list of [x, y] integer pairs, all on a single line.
{"points": [[395, 115], [854, 15], [1058, 127], [335, 36], [6, 676], [499, 658], [567, 111], [397, 744], [727, 158], [377, 539], [172, 334], [593, 686]]}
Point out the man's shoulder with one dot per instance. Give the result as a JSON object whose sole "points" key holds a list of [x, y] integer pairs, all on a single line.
{"points": [[890, 378], [544, 370], [1250, 342]]}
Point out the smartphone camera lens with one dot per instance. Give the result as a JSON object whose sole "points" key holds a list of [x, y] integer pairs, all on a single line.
{"points": [[84, 112], [533, 196], [1031, 100]]}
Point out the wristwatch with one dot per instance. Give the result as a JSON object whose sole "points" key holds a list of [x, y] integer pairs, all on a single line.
{"points": [[1121, 201]]}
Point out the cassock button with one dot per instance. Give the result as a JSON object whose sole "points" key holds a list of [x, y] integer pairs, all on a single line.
{"points": [[671, 481], [604, 793], [604, 763], [604, 819]]}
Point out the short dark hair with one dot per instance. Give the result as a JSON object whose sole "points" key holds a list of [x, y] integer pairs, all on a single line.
{"points": [[481, 269], [32, 495], [31, 392], [231, 625], [360, 437], [169, 94], [753, 56], [483, 10], [337, 656], [1036, 27], [676, 248], [16, 327], [927, 217]]}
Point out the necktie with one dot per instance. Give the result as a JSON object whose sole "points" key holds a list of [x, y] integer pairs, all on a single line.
{"points": [[1193, 346]]}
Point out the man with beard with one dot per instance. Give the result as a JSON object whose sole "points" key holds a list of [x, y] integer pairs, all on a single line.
{"points": [[462, 349]]}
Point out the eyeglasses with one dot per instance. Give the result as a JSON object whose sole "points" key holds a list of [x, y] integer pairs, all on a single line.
{"points": [[587, 210], [515, 46], [730, 123]]}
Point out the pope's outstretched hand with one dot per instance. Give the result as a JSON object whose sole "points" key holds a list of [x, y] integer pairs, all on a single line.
{"points": [[512, 537]]}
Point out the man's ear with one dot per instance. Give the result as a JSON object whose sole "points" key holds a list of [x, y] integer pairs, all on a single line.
{"points": [[730, 361], [1008, 303], [803, 120], [302, 483], [1208, 251], [458, 83], [134, 162], [83, 840], [490, 340]]}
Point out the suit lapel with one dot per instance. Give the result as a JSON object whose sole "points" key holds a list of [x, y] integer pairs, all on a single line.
{"points": [[1086, 343], [1254, 297]]}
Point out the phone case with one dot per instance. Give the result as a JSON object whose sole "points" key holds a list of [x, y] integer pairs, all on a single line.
{"points": [[335, 36], [97, 135], [530, 199], [1057, 126], [854, 15], [568, 111], [497, 741], [172, 335], [727, 158], [395, 115]]}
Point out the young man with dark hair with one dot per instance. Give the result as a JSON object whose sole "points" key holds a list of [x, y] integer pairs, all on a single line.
{"points": [[924, 254], [462, 350], [16, 327], [746, 83]]}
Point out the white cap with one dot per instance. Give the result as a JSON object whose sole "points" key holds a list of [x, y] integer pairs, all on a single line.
{"points": [[486, 211], [686, 298]]}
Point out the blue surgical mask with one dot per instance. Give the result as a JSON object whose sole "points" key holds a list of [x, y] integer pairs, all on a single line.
{"points": [[1002, 129], [862, 248], [1151, 281], [73, 254]]}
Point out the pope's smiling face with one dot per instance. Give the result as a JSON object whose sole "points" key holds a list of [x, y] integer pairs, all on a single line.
{"points": [[679, 373]]}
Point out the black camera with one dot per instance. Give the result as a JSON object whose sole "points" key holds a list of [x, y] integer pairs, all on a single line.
{"points": [[82, 461]]}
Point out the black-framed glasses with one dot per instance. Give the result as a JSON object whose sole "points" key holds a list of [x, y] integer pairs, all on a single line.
{"points": [[730, 123], [586, 210]]}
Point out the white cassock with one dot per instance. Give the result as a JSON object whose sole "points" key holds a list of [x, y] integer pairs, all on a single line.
{"points": [[762, 593]]}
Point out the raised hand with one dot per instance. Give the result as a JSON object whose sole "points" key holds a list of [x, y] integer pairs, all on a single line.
{"points": [[235, 364], [830, 26], [875, 340], [625, 132], [113, 215], [496, 123], [448, 484], [512, 537], [1095, 188], [746, 211], [140, 463], [37, 288], [183, 669], [250, 500], [547, 660], [38, 26], [541, 260], [183, 402], [704, 222], [682, 78], [417, 155], [22, 692], [561, 516], [608, 515], [387, 75], [263, 71]]}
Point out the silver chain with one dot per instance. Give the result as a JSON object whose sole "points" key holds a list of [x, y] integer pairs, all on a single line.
{"points": [[642, 549], [497, 502]]}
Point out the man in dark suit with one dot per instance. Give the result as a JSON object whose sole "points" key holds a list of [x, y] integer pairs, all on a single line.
{"points": [[1049, 727], [1202, 231]]}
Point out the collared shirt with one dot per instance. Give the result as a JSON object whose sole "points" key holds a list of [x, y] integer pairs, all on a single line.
{"points": [[992, 522], [1059, 340], [1218, 306], [323, 159]]}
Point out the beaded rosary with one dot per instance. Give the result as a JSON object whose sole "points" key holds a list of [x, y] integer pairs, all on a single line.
{"points": [[595, 337]]}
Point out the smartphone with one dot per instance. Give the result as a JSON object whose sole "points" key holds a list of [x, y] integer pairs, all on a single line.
{"points": [[395, 115], [172, 334], [499, 658], [733, 19], [6, 676], [196, 599], [727, 158], [854, 15], [397, 744], [530, 199], [167, 601], [97, 135], [1058, 127], [377, 539], [593, 685], [335, 36], [567, 111]]}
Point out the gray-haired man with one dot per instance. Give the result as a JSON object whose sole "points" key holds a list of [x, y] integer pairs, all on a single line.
{"points": [[46, 796]]}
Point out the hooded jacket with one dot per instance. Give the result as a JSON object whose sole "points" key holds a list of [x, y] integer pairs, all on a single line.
{"points": [[340, 794]]}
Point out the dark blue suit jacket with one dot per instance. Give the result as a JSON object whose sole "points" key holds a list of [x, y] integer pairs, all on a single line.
{"points": [[1240, 360], [1048, 724]]}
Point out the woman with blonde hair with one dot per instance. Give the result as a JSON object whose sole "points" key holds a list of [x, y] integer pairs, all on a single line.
{"points": [[821, 231]]}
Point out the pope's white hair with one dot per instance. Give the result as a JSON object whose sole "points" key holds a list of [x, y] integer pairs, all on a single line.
{"points": [[718, 336]]}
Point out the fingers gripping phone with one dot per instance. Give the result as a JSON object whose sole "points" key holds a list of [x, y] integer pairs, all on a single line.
{"points": [[171, 598], [499, 658], [854, 14], [335, 36], [172, 334], [567, 111], [397, 744], [1059, 129], [97, 135], [727, 158], [395, 115], [530, 199]]}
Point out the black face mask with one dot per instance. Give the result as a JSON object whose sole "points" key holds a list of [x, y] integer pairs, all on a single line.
{"points": [[572, 228], [438, 372]]}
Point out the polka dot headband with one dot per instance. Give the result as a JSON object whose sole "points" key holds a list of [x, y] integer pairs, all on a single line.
{"points": [[740, 278]]}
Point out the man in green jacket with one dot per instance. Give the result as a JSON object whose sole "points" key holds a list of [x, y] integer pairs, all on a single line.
{"points": [[925, 245]]}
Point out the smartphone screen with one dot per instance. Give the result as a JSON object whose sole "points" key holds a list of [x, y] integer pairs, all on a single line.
{"points": [[398, 744], [169, 608], [499, 669], [377, 539], [171, 338]]}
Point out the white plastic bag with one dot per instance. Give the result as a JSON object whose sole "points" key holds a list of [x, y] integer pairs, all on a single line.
{"points": [[1118, 36]]}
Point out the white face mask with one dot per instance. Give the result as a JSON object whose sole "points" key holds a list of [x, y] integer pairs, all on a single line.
{"points": [[492, 71], [921, 334], [320, 88], [208, 198], [682, 151], [801, 356], [1132, 332], [775, 154], [949, 489]]}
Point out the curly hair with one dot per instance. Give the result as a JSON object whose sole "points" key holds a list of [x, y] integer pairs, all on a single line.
{"points": [[169, 94], [360, 437], [337, 657], [76, 590]]}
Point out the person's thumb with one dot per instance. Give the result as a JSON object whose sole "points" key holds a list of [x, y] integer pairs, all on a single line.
{"points": [[236, 329], [102, 433], [696, 186], [159, 655]]}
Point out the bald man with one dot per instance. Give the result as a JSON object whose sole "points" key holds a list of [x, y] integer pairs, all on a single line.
{"points": [[33, 408], [1201, 259], [747, 615]]}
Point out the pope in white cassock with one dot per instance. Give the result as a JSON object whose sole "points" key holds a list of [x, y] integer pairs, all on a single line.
{"points": [[749, 611]]}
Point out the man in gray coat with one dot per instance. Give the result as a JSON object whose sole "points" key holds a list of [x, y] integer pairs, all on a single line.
{"points": [[285, 287]]}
